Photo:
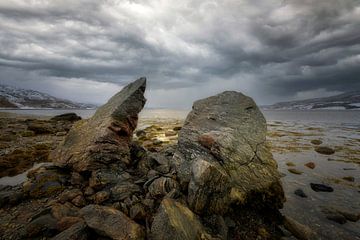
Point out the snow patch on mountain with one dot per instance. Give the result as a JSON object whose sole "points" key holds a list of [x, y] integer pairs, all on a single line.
{"points": [[12, 97], [345, 101]]}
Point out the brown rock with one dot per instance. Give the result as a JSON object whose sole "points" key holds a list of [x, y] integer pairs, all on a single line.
{"points": [[101, 197], [310, 165], [78, 231], [79, 201], [299, 230], [176, 221], [112, 223], [67, 222], [104, 139]]}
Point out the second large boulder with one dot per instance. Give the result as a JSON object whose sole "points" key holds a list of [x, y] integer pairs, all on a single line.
{"points": [[222, 156]]}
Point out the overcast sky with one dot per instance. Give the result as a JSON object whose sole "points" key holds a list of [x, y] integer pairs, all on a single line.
{"points": [[271, 50]]}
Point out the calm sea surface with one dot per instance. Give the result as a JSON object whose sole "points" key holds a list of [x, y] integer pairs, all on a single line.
{"points": [[312, 116]]}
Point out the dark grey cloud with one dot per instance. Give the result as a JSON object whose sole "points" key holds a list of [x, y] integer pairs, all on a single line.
{"points": [[272, 50]]}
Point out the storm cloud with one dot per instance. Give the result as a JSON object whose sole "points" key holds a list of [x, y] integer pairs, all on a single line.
{"points": [[271, 50]]}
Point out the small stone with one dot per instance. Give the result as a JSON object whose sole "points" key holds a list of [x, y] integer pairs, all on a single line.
{"points": [[170, 133], [101, 197], [316, 141], [137, 212], [79, 201], [321, 187], [295, 171], [72, 117], [290, 164], [349, 179], [310, 165], [324, 150], [162, 186], [64, 210], [89, 191], [76, 179], [178, 128], [60, 134], [338, 218], [299, 192]]}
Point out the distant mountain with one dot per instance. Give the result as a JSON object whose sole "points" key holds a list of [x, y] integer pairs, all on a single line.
{"points": [[350, 100], [11, 97]]}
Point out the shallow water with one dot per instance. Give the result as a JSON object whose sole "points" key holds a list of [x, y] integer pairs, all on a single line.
{"points": [[323, 116], [20, 178]]}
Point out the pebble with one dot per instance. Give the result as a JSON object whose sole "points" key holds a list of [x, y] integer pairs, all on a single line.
{"points": [[321, 187], [299, 192]]}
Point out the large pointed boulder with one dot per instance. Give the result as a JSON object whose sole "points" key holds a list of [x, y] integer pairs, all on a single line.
{"points": [[222, 158], [103, 140]]}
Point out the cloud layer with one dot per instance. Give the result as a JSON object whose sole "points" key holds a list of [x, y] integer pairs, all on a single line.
{"points": [[271, 50]]}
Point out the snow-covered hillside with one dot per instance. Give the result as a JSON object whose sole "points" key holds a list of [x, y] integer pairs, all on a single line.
{"points": [[345, 101], [11, 97]]}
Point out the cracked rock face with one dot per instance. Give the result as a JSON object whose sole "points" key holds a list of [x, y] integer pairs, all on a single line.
{"points": [[221, 156], [103, 140]]}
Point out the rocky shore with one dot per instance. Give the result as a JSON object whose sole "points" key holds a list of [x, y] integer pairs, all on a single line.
{"points": [[211, 177]]}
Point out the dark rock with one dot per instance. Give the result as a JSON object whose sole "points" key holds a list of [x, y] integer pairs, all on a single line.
{"points": [[325, 150], [162, 186], [103, 140], [178, 128], [105, 177], [138, 212], [124, 190], [66, 222], [321, 187], [175, 221], [316, 141], [221, 155], [77, 231], [299, 192], [140, 133], [109, 222], [349, 179], [11, 197], [76, 179], [338, 218], [44, 225], [72, 117], [79, 201], [41, 127], [89, 191]]}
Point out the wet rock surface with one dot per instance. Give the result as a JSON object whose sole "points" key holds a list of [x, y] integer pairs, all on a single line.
{"points": [[209, 164], [27, 141]]}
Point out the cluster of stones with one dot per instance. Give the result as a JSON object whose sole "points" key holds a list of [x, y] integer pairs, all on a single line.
{"points": [[219, 182]]}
